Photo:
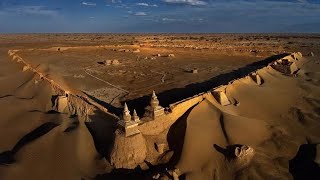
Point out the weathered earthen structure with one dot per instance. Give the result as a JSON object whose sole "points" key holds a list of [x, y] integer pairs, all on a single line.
{"points": [[131, 144], [154, 110], [129, 126], [256, 78], [221, 97]]}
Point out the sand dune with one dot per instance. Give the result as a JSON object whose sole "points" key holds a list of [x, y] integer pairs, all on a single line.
{"points": [[274, 119], [35, 142], [261, 126]]}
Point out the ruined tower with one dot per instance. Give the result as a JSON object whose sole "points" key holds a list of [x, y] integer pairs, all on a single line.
{"points": [[128, 126], [154, 110]]}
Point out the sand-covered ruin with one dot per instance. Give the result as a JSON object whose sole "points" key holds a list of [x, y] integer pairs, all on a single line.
{"points": [[255, 122]]}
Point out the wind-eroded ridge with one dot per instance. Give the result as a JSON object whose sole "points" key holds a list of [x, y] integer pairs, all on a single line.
{"points": [[27, 66]]}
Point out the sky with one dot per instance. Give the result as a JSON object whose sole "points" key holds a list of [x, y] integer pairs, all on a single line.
{"points": [[151, 16]]}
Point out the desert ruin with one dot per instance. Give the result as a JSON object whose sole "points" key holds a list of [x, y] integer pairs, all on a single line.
{"points": [[122, 106]]}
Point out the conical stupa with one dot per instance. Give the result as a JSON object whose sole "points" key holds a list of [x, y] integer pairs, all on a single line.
{"points": [[135, 116], [154, 102], [126, 113], [154, 110]]}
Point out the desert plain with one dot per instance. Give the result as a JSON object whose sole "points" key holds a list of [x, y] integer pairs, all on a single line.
{"points": [[159, 106]]}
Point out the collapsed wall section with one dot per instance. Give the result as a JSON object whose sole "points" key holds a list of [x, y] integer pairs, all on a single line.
{"points": [[64, 101]]}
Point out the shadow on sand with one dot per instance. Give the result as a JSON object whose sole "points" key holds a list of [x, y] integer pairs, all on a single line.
{"points": [[178, 94], [302, 166], [102, 129], [7, 157]]}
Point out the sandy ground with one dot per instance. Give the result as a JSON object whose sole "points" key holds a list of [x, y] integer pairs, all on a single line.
{"points": [[272, 132], [56, 153], [136, 75]]}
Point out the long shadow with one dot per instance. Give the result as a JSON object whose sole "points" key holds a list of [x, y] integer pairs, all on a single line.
{"points": [[176, 136], [74, 125], [7, 157], [302, 166], [114, 110], [4, 96], [223, 128], [178, 94], [102, 129]]}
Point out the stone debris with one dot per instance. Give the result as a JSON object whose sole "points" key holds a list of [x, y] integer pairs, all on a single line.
{"points": [[115, 62], [136, 51], [174, 173], [121, 50], [127, 50], [109, 62], [311, 54], [242, 151], [195, 71], [156, 176], [243, 154]]}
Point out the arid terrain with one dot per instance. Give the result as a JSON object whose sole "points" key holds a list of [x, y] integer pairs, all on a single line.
{"points": [[226, 106]]}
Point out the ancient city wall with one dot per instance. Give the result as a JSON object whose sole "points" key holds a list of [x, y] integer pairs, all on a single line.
{"points": [[177, 109], [83, 105]]}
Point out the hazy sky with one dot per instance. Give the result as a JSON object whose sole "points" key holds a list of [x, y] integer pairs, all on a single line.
{"points": [[159, 16]]}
